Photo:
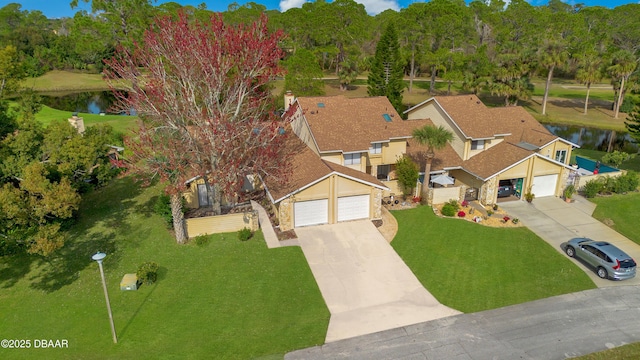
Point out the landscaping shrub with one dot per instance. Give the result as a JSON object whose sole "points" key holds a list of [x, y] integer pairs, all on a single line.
{"points": [[201, 240], [147, 272], [461, 214], [449, 210], [454, 203], [593, 188], [628, 182], [615, 158], [245, 234]]}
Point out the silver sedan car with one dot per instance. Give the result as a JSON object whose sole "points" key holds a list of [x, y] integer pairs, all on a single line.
{"points": [[608, 261]]}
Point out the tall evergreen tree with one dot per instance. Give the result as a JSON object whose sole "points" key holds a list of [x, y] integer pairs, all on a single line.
{"points": [[385, 76]]}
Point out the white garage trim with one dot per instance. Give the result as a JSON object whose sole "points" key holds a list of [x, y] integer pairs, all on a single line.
{"points": [[544, 185], [353, 207], [311, 212]]}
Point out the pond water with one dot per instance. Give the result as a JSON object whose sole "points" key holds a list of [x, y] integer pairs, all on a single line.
{"points": [[92, 102], [594, 139]]}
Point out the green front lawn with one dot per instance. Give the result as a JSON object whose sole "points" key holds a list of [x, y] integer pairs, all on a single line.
{"points": [[471, 267], [227, 299], [120, 123], [623, 210]]}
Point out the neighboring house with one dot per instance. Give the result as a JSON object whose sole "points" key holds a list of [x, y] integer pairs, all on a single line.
{"points": [[350, 147], [494, 144], [319, 191], [364, 134]]}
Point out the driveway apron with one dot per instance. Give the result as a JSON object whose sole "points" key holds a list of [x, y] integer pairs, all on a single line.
{"points": [[365, 284], [557, 222]]}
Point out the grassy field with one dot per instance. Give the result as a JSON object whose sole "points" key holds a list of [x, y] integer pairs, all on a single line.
{"points": [[623, 210], [564, 107], [120, 123], [59, 80], [471, 267], [225, 300]]}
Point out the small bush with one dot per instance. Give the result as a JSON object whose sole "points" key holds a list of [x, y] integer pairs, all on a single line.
{"points": [[615, 158], [489, 212], [449, 210], [162, 207], [147, 272], [465, 203], [201, 240], [461, 214], [627, 182], [495, 207], [593, 188], [515, 220], [416, 199], [245, 234], [453, 203]]}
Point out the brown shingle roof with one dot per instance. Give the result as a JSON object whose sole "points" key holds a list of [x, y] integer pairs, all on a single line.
{"points": [[352, 124], [306, 168], [478, 121]]}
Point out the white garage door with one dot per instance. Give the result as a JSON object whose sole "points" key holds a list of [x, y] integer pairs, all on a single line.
{"points": [[353, 207], [544, 185], [312, 212]]}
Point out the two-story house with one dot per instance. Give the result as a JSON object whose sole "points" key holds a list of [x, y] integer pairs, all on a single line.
{"points": [[495, 144], [346, 163]]}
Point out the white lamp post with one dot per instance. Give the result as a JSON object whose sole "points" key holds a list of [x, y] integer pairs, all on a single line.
{"points": [[99, 256]]}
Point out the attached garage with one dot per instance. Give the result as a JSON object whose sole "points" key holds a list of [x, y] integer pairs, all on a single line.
{"points": [[544, 185], [353, 207], [313, 212]]}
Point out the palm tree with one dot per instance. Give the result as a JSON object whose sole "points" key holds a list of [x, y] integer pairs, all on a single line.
{"points": [[589, 73], [435, 138], [551, 56], [622, 66]]}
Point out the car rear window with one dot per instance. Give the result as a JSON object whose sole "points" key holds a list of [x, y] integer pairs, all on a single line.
{"points": [[628, 263]]}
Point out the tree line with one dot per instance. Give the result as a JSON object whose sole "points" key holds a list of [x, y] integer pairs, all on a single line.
{"points": [[485, 45]]}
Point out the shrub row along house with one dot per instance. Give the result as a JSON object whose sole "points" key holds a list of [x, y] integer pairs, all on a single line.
{"points": [[347, 149]]}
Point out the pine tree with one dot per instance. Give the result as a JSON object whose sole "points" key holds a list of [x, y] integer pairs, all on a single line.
{"points": [[633, 123], [385, 76]]}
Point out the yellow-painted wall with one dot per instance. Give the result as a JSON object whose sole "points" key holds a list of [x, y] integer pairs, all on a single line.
{"points": [[221, 224], [550, 150], [518, 171], [393, 150], [191, 196], [301, 128], [335, 158], [314, 192], [348, 187], [438, 117]]}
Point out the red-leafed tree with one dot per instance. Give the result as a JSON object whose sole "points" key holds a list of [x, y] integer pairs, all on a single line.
{"points": [[201, 92]]}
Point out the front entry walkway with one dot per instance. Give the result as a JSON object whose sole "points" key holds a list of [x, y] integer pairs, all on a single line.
{"points": [[365, 284], [557, 222]]}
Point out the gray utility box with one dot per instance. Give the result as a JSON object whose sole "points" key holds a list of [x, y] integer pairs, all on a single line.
{"points": [[129, 282]]}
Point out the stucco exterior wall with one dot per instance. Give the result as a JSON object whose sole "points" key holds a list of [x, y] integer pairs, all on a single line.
{"points": [[348, 187], [301, 128], [393, 150], [191, 196], [335, 157], [433, 112], [221, 223], [314, 192], [550, 150], [443, 195]]}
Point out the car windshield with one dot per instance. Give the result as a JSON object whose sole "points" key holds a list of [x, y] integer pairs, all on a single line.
{"points": [[627, 263]]}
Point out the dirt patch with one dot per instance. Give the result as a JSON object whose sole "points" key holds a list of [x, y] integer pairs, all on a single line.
{"points": [[496, 219]]}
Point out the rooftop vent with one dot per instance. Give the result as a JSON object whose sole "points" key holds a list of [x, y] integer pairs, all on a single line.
{"points": [[386, 117], [320, 105]]}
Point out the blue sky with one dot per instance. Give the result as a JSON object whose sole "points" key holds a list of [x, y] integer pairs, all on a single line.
{"points": [[60, 8]]}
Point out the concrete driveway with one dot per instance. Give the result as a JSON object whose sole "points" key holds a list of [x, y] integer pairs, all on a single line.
{"points": [[365, 284], [557, 222]]}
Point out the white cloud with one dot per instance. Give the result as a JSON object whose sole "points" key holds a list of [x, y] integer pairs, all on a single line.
{"points": [[288, 4], [373, 7]]}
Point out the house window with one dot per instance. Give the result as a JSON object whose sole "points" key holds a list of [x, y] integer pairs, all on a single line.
{"points": [[383, 172], [352, 159], [203, 197], [561, 155], [477, 145], [375, 148]]}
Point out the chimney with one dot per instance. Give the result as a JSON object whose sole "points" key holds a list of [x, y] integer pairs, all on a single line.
{"points": [[77, 122], [288, 100]]}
